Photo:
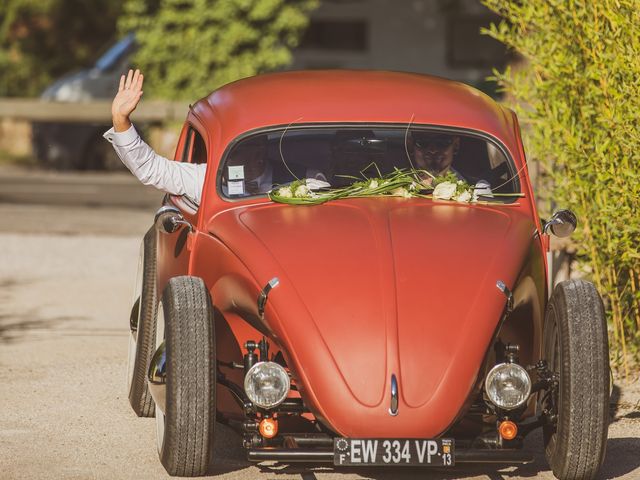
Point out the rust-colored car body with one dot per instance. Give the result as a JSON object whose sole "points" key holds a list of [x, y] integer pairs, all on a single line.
{"points": [[371, 287]]}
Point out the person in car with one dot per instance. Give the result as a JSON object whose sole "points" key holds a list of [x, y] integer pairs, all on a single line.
{"points": [[180, 178], [175, 178], [434, 153]]}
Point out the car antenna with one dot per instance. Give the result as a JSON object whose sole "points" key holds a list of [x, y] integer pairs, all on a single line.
{"points": [[406, 136], [280, 147]]}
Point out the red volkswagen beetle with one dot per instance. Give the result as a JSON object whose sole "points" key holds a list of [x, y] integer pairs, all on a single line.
{"points": [[364, 282]]}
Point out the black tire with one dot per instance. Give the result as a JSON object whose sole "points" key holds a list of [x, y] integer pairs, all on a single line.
{"points": [[186, 446], [576, 347], [143, 328]]}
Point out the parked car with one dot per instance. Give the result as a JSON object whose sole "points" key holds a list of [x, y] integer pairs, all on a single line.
{"points": [[378, 330], [75, 145]]}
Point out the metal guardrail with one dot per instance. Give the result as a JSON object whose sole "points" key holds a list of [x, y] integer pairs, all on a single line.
{"points": [[94, 111]]}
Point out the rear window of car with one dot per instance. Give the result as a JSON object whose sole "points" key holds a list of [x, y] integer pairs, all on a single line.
{"points": [[342, 155]]}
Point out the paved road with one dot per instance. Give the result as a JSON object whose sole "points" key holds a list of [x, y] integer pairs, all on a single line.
{"points": [[35, 201], [86, 189], [68, 247]]}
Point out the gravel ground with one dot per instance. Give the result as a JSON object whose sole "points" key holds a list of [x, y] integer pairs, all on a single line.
{"points": [[64, 303]]}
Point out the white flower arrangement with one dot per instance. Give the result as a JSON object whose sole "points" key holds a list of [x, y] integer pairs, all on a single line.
{"points": [[399, 183], [301, 191], [401, 192], [448, 187], [285, 192], [463, 197], [444, 191]]}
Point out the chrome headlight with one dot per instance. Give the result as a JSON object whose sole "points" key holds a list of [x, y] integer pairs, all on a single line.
{"points": [[508, 385], [267, 384]]}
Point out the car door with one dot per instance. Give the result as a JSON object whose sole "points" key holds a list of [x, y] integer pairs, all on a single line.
{"points": [[174, 249]]}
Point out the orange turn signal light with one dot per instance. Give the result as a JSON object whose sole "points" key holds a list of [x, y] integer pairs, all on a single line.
{"points": [[268, 427], [508, 430]]}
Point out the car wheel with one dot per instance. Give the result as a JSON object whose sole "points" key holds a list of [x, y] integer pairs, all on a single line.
{"points": [[185, 431], [576, 348], [142, 337]]}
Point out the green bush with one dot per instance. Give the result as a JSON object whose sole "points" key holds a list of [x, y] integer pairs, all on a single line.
{"points": [[190, 47], [40, 40], [577, 94]]}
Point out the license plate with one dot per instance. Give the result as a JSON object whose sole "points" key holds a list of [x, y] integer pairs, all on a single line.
{"points": [[393, 451]]}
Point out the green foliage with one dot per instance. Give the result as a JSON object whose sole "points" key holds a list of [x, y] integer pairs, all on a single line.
{"points": [[190, 47], [41, 40], [447, 177], [577, 95]]}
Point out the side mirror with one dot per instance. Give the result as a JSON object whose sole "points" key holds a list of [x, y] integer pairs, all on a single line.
{"points": [[562, 223], [168, 219]]}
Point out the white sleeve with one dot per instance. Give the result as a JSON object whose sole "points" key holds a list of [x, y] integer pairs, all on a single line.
{"points": [[175, 178]]}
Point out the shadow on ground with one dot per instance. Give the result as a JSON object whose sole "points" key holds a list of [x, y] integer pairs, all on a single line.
{"points": [[229, 454], [15, 325], [619, 461], [494, 472], [622, 457]]}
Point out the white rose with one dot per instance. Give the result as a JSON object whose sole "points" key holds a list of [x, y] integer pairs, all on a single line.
{"points": [[285, 192], [444, 191], [301, 191], [401, 192], [464, 197]]}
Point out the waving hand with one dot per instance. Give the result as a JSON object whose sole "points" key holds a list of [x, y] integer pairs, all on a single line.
{"points": [[126, 100]]}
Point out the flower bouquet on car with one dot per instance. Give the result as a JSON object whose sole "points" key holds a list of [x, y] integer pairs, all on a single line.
{"points": [[408, 183]]}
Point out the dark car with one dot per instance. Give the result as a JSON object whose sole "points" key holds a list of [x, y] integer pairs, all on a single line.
{"points": [[80, 146]]}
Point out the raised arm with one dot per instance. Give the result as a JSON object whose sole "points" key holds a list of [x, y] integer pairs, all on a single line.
{"points": [[175, 178]]}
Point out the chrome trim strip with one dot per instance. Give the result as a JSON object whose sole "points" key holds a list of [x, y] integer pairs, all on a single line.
{"points": [[393, 409]]}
